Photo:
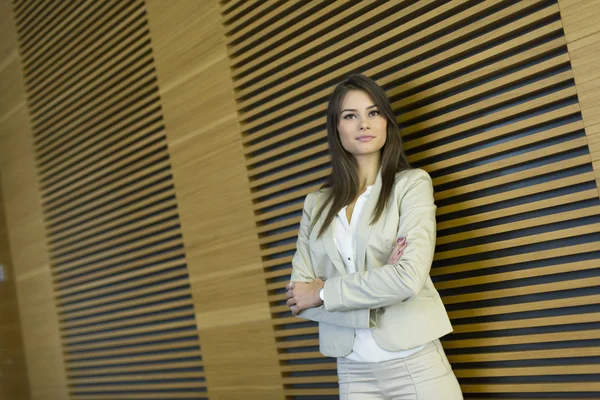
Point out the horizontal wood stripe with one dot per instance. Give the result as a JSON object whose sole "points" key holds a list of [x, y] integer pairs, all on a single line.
{"points": [[132, 351], [115, 206], [77, 101], [527, 223], [259, 53], [271, 25], [138, 368], [289, 184], [140, 377], [123, 267], [161, 307], [144, 358], [56, 33], [156, 320], [135, 331], [49, 80], [529, 190], [72, 311], [121, 342], [116, 166], [514, 259], [343, 29], [121, 282], [147, 386], [115, 217], [105, 238], [126, 130], [136, 396], [133, 249], [117, 246]]}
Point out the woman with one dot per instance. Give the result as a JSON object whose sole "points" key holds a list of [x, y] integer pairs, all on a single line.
{"points": [[364, 251]]}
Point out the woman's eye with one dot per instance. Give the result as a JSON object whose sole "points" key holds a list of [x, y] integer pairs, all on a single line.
{"points": [[349, 116], [374, 113]]}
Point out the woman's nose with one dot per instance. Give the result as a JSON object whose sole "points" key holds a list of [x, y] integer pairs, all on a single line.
{"points": [[364, 125]]}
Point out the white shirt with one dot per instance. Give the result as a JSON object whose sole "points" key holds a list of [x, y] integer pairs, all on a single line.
{"points": [[365, 348]]}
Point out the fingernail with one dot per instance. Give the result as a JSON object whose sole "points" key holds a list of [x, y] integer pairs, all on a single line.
{"points": [[400, 239]]}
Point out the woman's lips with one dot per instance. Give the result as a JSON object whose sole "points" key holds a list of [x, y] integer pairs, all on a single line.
{"points": [[365, 138]]}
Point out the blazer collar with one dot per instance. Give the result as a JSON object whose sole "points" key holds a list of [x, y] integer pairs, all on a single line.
{"points": [[364, 223], [364, 230], [330, 246]]}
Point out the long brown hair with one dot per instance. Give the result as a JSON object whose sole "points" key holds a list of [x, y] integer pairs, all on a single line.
{"points": [[343, 180]]}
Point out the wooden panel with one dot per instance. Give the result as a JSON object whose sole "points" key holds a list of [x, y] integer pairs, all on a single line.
{"points": [[223, 254], [486, 98], [27, 262], [581, 21], [115, 277]]}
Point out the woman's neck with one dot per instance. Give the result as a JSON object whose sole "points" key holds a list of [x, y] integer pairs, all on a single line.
{"points": [[368, 168]]}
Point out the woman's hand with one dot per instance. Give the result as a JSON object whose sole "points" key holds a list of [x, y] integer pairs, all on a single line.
{"points": [[302, 295], [397, 251]]}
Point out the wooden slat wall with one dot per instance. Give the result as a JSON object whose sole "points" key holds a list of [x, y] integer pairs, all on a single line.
{"points": [[127, 322], [25, 226], [215, 208], [486, 98], [581, 21]]}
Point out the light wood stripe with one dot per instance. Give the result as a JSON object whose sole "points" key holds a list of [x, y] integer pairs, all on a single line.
{"points": [[140, 377], [132, 351], [84, 374], [98, 274], [346, 8], [60, 79], [136, 396], [74, 311], [268, 35], [154, 357], [161, 307]]}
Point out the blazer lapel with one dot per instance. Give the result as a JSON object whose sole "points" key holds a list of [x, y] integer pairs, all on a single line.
{"points": [[364, 223], [329, 243]]}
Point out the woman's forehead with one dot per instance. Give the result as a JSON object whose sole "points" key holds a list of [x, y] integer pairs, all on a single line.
{"points": [[356, 99]]}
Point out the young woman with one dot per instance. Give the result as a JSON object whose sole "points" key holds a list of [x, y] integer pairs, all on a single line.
{"points": [[364, 251]]}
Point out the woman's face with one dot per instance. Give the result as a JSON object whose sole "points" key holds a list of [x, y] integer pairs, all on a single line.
{"points": [[361, 127]]}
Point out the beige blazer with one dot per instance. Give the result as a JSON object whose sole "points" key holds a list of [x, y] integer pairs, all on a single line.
{"points": [[398, 302]]}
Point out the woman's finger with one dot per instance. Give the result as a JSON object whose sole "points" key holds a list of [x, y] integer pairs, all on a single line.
{"points": [[400, 249], [296, 309], [291, 302], [397, 247], [397, 254], [393, 252]]}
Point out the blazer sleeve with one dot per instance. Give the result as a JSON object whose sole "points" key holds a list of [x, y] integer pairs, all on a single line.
{"points": [[393, 283], [302, 271]]}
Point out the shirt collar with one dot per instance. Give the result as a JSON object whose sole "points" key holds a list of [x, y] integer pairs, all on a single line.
{"points": [[365, 195]]}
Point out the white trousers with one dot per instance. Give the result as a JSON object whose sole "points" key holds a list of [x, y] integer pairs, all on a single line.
{"points": [[425, 375]]}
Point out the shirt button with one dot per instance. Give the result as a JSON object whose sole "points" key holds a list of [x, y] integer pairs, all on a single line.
{"points": [[348, 258]]}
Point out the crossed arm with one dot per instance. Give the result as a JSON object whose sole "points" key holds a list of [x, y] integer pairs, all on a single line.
{"points": [[402, 277]]}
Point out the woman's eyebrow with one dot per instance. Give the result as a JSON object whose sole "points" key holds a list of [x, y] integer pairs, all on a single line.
{"points": [[353, 109]]}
